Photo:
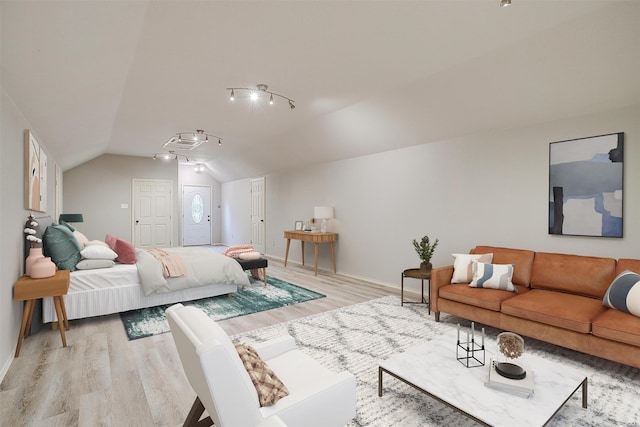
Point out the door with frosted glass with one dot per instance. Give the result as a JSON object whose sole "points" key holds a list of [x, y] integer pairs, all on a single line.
{"points": [[196, 215]]}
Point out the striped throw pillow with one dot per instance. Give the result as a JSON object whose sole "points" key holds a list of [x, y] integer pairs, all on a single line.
{"points": [[493, 276], [624, 293]]}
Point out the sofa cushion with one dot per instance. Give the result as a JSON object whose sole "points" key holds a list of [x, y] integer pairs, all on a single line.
{"points": [[617, 326], [490, 299], [520, 258], [492, 276], [624, 264], [573, 312], [462, 266], [624, 293], [576, 274]]}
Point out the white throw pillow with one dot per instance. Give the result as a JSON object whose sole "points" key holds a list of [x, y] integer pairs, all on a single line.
{"points": [[98, 252], [90, 264], [82, 239], [492, 276], [96, 243], [249, 255], [462, 272]]}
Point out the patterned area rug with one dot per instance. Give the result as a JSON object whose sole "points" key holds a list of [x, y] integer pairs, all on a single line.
{"points": [[357, 337], [254, 298]]}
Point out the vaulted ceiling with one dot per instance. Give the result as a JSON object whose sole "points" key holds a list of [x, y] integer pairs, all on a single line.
{"points": [[122, 77]]}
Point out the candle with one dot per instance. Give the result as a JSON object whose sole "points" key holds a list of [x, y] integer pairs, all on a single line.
{"points": [[482, 337], [472, 331], [467, 337], [458, 333]]}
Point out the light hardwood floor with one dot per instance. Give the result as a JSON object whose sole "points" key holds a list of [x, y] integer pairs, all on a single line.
{"points": [[102, 379]]}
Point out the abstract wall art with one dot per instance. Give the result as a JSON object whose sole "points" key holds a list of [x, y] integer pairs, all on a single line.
{"points": [[35, 190], [585, 186]]}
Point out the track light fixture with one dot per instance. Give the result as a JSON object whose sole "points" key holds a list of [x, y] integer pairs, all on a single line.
{"points": [[190, 140], [170, 155], [505, 3], [260, 91], [199, 167]]}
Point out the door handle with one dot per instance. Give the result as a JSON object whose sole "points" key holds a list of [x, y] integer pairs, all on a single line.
{"points": [[137, 221]]}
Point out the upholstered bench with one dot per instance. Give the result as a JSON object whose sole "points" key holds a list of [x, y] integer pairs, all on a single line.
{"points": [[250, 264]]}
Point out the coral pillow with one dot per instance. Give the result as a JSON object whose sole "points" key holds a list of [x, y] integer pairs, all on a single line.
{"points": [[126, 252], [110, 241]]}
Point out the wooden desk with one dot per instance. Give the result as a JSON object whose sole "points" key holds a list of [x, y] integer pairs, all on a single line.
{"points": [[311, 236], [29, 290]]}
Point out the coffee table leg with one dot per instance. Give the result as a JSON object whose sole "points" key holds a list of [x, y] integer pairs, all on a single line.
{"points": [[584, 393], [379, 381]]}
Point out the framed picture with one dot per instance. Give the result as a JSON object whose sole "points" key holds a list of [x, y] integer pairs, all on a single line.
{"points": [[35, 186], [298, 226], [585, 186]]}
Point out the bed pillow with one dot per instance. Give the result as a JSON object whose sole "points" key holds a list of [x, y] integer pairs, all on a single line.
{"points": [[462, 272], [91, 264], [62, 246], [493, 276], [624, 293], [96, 243], [268, 386], [82, 239], [98, 252], [126, 252], [110, 241], [69, 226]]}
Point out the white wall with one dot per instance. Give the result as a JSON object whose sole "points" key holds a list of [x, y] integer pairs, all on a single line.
{"points": [[12, 219], [236, 212], [99, 188], [483, 189]]}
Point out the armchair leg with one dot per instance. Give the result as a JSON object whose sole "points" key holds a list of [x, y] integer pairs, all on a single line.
{"points": [[193, 418]]}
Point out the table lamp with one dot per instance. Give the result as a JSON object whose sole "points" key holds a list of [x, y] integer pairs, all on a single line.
{"points": [[324, 213]]}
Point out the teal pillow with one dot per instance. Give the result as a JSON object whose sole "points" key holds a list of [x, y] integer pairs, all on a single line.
{"points": [[69, 226], [62, 246]]}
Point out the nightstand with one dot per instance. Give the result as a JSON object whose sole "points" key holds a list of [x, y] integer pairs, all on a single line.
{"points": [[29, 290]]}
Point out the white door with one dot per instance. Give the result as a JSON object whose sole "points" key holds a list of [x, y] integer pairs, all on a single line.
{"points": [[257, 214], [152, 207], [196, 215]]}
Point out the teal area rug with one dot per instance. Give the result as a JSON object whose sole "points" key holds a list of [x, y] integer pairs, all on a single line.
{"points": [[150, 321]]}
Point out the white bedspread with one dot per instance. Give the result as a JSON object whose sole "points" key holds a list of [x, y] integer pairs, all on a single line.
{"points": [[204, 267]]}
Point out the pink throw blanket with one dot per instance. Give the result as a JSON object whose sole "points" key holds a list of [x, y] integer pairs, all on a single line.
{"points": [[172, 265]]}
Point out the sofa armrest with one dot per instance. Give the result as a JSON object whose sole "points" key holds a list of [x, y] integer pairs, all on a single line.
{"points": [[440, 276], [275, 347]]}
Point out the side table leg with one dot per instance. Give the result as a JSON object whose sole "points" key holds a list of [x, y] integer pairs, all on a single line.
{"points": [[29, 308], [315, 256], [23, 326], [56, 301], [286, 253], [302, 246], [402, 289], [64, 313], [333, 258]]}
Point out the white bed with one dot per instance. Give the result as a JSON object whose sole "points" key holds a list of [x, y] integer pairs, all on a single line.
{"points": [[106, 291], [103, 291]]}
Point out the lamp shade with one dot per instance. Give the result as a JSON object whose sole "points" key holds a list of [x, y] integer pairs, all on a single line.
{"points": [[71, 217], [323, 212]]}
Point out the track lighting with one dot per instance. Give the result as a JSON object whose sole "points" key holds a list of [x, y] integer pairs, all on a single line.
{"points": [[505, 3], [190, 140], [169, 155], [260, 91]]}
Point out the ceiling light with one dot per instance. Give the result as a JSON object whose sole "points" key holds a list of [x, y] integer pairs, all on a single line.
{"points": [[259, 92], [170, 154], [189, 140], [505, 3]]}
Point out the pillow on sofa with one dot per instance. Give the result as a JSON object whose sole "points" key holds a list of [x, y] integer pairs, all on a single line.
{"points": [[98, 252], [624, 293], [269, 387], [110, 240], [62, 246], [462, 272], [493, 276]]}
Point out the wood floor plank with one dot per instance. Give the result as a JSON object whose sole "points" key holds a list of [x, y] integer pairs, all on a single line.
{"points": [[102, 378]]}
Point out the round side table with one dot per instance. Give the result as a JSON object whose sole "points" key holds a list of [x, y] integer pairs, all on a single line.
{"points": [[415, 273]]}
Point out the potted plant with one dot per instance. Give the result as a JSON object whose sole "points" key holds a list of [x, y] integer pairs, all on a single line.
{"points": [[425, 249]]}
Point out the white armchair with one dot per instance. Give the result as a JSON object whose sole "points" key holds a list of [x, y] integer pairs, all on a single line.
{"points": [[317, 396]]}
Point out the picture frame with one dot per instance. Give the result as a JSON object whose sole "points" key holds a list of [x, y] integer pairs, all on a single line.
{"points": [[586, 186], [35, 184], [299, 225]]}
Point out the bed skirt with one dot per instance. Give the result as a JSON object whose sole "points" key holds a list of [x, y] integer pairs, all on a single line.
{"points": [[81, 304]]}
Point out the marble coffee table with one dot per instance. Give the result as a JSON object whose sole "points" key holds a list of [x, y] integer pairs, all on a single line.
{"points": [[432, 368]]}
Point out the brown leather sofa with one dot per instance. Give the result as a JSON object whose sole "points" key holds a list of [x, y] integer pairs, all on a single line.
{"points": [[559, 300]]}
